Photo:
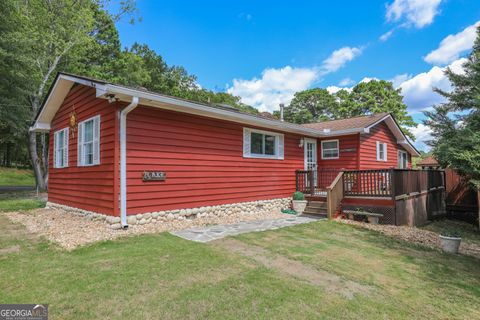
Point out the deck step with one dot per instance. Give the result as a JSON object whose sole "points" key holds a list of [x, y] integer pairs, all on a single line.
{"points": [[314, 214], [310, 210], [317, 204]]}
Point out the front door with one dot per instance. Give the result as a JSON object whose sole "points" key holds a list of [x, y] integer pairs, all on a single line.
{"points": [[310, 156]]}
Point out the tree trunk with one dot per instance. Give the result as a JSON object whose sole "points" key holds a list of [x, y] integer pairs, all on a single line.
{"points": [[37, 166], [478, 207], [8, 155]]}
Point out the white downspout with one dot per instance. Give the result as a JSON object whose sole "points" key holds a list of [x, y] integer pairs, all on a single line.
{"points": [[123, 160]]}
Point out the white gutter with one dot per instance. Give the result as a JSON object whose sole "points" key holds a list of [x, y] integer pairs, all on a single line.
{"points": [[123, 160]]}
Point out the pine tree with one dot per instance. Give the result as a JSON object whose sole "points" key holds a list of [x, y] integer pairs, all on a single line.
{"points": [[456, 123]]}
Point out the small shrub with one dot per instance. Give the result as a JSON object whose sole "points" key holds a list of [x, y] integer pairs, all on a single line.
{"points": [[450, 233], [298, 196]]}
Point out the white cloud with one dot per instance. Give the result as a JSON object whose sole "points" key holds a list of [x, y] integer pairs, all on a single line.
{"points": [[452, 46], [418, 90], [423, 134], [399, 79], [335, 89], [277, 86], [384, 37], [246, 16], [419, 13], [274, 87], [346, 82], [338, 59], [368, 79]]}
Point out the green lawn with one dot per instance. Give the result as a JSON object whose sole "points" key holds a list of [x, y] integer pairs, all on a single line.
{"points": [[164, 277], [16, 177], [25, 200]]}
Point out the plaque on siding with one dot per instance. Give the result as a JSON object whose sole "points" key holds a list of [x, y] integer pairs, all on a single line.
{"points": [[348, 150], [154, 176]]}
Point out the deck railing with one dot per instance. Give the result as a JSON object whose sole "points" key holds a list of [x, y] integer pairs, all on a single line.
{"points": [[410, 181], [370, 183], [320, 179], [334, 195]]}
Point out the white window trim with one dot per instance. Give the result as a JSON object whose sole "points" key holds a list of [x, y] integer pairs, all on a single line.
{"points": [[65, 148], [385, 147], [279, 144], [96, 140], [406, 158], [338, 149]]}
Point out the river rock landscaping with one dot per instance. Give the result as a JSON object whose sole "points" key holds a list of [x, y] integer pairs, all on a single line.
{"points": [[71, 227]]}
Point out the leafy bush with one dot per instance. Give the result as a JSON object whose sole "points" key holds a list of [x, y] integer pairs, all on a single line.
{"points": [[298, 196], [450, 233]]}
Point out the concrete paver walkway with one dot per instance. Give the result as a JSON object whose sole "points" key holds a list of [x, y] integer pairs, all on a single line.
{"points": [[220, 231]]}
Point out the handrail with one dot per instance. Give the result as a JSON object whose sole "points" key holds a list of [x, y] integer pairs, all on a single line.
{"points": [[334, 195]]}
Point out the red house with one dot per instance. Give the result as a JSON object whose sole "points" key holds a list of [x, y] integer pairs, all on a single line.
{"points": [[121, 151]]}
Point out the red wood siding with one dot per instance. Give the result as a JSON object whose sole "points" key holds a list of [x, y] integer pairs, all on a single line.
{"points": [[368, 148], [348, 155], [203, 161], [89, 188]]}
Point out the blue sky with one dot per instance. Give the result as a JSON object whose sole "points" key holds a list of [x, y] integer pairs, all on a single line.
{"points": [[264, 51]]}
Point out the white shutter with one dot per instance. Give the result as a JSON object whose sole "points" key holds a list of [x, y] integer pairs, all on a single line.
{"points": [[96, 140], [55, 143], [281, 147], [80, 144], [65, 147], [378, 151], [246, 142]]}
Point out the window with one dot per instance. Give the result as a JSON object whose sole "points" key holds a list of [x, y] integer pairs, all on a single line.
{"points": [[381, 151], [330, 149], [262, 144], [402, 159], [60, 141], [89, 142]]}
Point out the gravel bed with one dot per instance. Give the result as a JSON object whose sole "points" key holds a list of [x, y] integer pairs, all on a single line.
{"points": [[71, 231], [415, 235]]}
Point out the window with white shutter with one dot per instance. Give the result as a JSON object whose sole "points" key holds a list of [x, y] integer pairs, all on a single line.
{"points": [[262, 144], [60, 145], [89, 142]]}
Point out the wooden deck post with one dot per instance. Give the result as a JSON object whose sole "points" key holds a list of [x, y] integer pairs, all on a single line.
{"points": [[312, 182]]}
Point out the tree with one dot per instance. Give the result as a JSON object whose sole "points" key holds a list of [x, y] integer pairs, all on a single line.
{"points": [[456, 123], [313, 105], [316, 105], [40, 37], [375, 96]]}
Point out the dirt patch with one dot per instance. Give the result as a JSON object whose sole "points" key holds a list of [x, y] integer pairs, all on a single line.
{"points": [[330, 282], [70, 231], [415, 235], [11, 249]]}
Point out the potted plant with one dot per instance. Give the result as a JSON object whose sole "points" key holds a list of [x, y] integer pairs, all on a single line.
{"points": [[299, 203], [450, 241]]}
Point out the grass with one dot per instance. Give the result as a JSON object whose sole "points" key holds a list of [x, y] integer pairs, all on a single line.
{"points": [[465, 230], [16, 177], [164, 277], [15, 201], [20, 204]]}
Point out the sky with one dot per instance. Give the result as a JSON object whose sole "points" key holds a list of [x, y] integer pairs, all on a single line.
{"points": [[265, 51]]}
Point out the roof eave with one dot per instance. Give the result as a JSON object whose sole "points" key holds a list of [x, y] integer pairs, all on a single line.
{"points": [[171, 103]]}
